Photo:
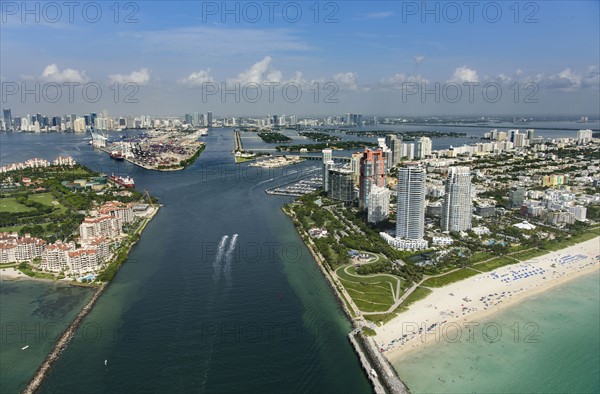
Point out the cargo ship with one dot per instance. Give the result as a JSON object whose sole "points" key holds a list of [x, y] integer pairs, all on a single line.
{"points": [[126, 181], [117, 155]]}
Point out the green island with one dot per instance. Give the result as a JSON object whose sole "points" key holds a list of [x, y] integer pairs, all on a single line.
{"points": [[337, 145], [45, 207], [272, 137], [319, 137], [405, 134]]}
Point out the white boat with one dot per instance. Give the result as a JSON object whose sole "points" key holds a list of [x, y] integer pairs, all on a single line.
{"points": [[24, 347], [203, 132], [105, 362]]}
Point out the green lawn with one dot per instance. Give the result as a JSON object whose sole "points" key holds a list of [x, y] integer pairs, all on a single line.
{"points": [[574, 240], [450, 278], [479, 256], [10, 204], [244, 159], [418, 294], [369, 293], [49, 200], [494, 264], [529, 254]]}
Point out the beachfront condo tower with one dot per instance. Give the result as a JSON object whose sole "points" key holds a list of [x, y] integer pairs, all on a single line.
{"points": [[457, 206], [410, 220]]}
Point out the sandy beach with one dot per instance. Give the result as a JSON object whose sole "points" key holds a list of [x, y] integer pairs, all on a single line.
{"points": [[452, 310], [12, 273]]}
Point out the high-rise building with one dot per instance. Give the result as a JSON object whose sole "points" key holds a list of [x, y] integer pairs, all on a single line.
{"points": [[410, 220], [393, 142], [372, 172], [209, 119], [7, 116], [530, 134], [584, 136], [457, 206], [196, 119], [520, 140], [379, 204], [340, 184], [423, 147], [355, 167], [327, 157], [408, 151]]}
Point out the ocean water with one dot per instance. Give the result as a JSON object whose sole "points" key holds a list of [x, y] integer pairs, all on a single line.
{"points": [[34, 314], [549, 343]]}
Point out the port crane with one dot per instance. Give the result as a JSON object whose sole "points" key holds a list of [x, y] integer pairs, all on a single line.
{"points": [[149, 199]]}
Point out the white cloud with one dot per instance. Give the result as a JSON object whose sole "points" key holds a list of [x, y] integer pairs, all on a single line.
{"points": [[397, 81], [53, 74], [568, 80], [502, 78], [465, 74], [378, 15], [197, 78], [346, 81], [141, 77], [262, 72], [419, 59]]}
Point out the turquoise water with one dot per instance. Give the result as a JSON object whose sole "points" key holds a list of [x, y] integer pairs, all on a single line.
{"points": [[34, 314], [549, 344]]}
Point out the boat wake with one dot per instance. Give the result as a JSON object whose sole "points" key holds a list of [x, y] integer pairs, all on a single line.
{"points": [[229, 258], [219, 257]]}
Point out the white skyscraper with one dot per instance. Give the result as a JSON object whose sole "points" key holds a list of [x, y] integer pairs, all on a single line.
{"points": [[327, 163], [379, 204], [408, 151], [584, 136], [456, 210], [410, 221], [423, 147]]}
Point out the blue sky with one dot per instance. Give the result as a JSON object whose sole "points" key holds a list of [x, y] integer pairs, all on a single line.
{"points": [[369, 50]]}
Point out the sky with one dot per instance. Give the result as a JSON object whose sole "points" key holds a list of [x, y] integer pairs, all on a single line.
{"points": [[405, 58]]}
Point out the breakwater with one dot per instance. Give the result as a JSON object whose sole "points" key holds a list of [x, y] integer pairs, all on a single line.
{"points": [[62, 344]]}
